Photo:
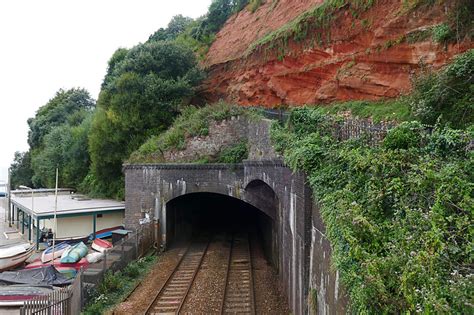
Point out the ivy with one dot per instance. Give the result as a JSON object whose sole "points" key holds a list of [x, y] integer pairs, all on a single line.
{"points": [[399, 216]]}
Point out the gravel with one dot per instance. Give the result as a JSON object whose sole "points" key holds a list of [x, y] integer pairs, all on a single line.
{"points": [[208, 288]]}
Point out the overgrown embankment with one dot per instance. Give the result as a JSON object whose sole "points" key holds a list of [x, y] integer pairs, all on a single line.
{"points": [[399, 216], [215, 133]]}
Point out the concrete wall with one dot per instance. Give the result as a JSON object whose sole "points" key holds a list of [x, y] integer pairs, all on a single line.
{"points": [[265, 182]]}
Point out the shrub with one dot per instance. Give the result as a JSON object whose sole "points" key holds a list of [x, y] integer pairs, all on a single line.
{"points": [[406, 135], [192, 122], [442, 33], [447, 96], [397, 216], [234, 154]]}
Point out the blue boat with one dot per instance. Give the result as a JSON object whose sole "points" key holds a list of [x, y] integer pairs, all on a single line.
{"points": [[59, 248], [105, 233], [74, 253]]}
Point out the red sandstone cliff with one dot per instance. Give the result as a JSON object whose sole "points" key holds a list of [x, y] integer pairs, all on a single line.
{"points": [[365, 57]]}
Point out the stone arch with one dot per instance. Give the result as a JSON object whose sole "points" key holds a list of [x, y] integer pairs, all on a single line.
{"points": [[259, 194]]}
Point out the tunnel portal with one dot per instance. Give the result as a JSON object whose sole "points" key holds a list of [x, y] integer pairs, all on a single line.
{"points": [[196, 214]]}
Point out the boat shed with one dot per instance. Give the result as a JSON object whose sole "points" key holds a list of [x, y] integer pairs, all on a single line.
{"points": [[76, 215]]}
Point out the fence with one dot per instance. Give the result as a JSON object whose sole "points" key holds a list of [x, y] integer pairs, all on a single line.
{"points": [[353, 128], [65, 301], [136, 245], [344, 128], [69, 301]]}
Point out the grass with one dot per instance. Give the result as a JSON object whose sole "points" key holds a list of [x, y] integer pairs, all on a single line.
{"points": [[192, 122], [319, 17], [116, 286], [389, 110]]}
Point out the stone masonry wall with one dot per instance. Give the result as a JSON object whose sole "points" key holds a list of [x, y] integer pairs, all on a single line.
{"points": [[222, 134], [299, 241]]}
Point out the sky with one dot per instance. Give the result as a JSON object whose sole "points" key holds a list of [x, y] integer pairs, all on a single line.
{"points": [[52, 44]]}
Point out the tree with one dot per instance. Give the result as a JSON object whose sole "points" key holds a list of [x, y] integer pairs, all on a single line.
{"points": [[140, 97], [20, 170], [58, 139], [65, 107], [176, 26]]}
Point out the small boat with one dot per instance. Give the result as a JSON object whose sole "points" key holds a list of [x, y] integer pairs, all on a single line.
{"points": [[63, 268], [58, 251], [94, 257], [15, 255], [105, 233], [16, 295], [70, 240], [74, 253], [101, 245], [47, 275]]}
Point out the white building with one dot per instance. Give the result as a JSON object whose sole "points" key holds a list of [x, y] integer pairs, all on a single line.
{"points": [[76, 215]]}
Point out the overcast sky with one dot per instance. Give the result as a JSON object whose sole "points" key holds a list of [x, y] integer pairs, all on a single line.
{"points": [[51, 44]]}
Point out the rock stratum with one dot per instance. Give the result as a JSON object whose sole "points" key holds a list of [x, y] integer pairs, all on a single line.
{"points": [[357, 54]]}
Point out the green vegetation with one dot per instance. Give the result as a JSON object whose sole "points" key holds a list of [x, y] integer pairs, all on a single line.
{"points": [[21, 172], [115, 287], [318, 18], [200, 34], [313, 25], [192, 122], [398, 216], [234, 154], [140, 97], [58, 139], [448, 95], [145, 88], [385, 110]]}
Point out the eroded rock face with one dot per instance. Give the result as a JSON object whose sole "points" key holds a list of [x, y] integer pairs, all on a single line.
{"points": [[366, 58]]}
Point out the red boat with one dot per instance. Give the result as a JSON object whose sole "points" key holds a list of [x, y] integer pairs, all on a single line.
{"points": [[101, 245], [83, 263]]}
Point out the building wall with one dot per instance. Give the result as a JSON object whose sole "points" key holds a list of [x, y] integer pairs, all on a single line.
{"points": [[83, 225]]}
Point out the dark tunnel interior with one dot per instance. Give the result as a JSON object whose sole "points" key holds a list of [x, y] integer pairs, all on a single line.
{"points": [[195, 214]]}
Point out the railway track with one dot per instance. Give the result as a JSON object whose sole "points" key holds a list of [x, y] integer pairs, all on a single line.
{"points": [[172, 295], [239, 295]]}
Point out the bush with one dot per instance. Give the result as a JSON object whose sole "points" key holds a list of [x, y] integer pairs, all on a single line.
{"points": [[115, 286], [406, 135], [234, 154], [110, 283], [442, 33], [447, 96], [397, 216], [132, 270]]}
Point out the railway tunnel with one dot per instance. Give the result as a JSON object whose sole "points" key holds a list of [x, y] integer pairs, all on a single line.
{"points": [[193, 215], [187, 199]]}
